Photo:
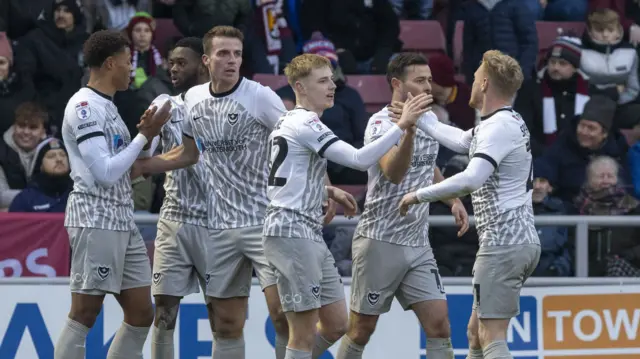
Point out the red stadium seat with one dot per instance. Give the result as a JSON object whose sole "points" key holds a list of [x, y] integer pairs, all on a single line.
{"points": [[273, 81], [166, 31], [457, 44], [548, 31], [374, 90], [422, 36]]}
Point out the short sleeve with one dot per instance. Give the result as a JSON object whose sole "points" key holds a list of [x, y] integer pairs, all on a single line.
{"points": [[376, 127], [269, 106], [314, 135], [494, 141], [86, 120]]}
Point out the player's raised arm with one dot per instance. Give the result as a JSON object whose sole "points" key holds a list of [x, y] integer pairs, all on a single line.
{"points": [[93, 147], [395, 163], [181, 156], [361, 159]]}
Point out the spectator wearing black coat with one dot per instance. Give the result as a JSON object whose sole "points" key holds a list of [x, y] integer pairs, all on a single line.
{"points": [[365, 33], [504, 25], [14, 90], [51, 57]]}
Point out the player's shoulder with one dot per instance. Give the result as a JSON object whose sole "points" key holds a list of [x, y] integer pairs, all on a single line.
{"points": [[85, 103], [380, 117], [197, 93], [257, 91], [504, 122]]}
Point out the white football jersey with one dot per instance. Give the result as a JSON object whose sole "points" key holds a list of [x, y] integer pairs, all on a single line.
{"points": [[502, 206], [296, 178]]}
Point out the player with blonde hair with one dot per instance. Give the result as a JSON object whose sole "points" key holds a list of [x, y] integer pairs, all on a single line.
{"points": [[500, 179], [310, 287]]}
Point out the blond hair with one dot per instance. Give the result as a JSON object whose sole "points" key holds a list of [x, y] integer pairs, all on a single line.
{"points": [[302, 65], [601, 19], [220, 31], [503, 71]]}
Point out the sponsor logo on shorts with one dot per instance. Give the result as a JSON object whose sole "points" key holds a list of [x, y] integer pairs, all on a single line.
{"points": [[315, 290], [103, 272], [373, 298], [157, 277], [291, 298]]}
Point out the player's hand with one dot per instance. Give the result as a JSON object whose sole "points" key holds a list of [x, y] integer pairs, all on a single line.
{"points": [[329, 208], [345, 199], [153, 119], [462, 218], [409, 199], [395, 110], [413, 109]]}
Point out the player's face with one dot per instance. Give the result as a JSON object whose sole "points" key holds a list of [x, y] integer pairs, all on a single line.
{"points": [[28, 134], [142, 36], [478, 89], [225, 59], [120, 66], [590, 134], [55, 162], [417, 80], [4, 68], [185, 66], [560, 69], [319, 88]]}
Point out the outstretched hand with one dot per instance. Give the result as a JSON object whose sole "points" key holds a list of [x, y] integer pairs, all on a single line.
{"points": [[153, 119], [408, 200]]}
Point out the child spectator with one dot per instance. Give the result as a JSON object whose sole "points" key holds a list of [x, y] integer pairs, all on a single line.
{"points": [[146, 59]]}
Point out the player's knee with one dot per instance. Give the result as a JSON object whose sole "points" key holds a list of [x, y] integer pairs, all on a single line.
{"points": [[166, 316], [473, 338], [361, 331], [279, 320], [228, 325], [437, 326], [85, 315]]}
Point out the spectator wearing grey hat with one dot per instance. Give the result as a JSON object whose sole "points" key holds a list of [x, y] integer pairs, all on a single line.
{"points": [[561, 170]]}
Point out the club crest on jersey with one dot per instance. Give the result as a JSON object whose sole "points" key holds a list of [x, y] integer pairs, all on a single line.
{"points": [[233, 118], [103, 272], [83, 110], [315, 124], [315, 290], [157, 277], [373, 298]]}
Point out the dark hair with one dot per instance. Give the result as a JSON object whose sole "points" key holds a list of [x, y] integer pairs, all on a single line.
{"points": [[221, 31], [31, 113], [397, 66], [193, 43], [103, 44]]}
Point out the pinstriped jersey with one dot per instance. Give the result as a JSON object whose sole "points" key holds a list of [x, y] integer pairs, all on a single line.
{"points": [[296, 178], [502, 206], [380, 219], [89, 114], [232, 130], [185, 200]]}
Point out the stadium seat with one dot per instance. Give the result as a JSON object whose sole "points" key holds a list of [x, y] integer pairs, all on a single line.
{"points": [[457, 44], [460, 78], [548, 31], [166, 31], [374, 90], [273, 81], [422, 36]]}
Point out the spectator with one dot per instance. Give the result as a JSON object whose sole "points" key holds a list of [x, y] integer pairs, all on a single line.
{"points": [[421, 8], [628, 117], [504, 25], [560, 10], [612, 251], [146, 60], [18, 149], [629, 12], [50, 183], [196, 17], [555, 260], [366, 33], [14, 90], [549, 102], [610, 61], [347, 118], [454, 96], [562, 168], [51, 57], [277, 42], [18, 17], [113, 14]]}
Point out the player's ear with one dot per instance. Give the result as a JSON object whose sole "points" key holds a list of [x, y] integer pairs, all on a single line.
{"points": [[205, 60], [395, 83], [298, 87], [485, 85], [108, 63]]}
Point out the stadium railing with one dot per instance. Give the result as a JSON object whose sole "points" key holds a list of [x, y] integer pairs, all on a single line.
{"points": [[581, 224]]}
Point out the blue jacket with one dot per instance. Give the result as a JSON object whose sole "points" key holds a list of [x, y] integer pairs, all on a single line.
{"points": [[634, 167], [555, 259], [509, 27], [31, 199]]}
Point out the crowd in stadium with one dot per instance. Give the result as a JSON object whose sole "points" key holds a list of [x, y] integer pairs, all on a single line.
{"points": [[579, 99]]}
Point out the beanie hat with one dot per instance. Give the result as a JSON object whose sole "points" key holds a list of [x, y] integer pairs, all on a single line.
{"points": [[442, 70], [567, 48], [139, 17], [5, 47], [319, 45], [73, 6], [600, 109], [45, 146]]}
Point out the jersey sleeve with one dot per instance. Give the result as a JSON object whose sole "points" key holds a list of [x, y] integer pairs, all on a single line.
{"points": [[270, 107], [86, 120], [376, 127], [315, 135], [187, 129], [494, 141]]}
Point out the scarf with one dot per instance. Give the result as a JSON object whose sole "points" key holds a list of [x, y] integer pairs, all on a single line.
{"points": [[549, 114], [155, 61], [607, 201], [7, 84], [274, 28]]}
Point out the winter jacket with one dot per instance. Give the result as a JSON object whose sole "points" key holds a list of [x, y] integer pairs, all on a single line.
{"points": [[503, 25], [634, 167], [32, 199], [555, 259]]}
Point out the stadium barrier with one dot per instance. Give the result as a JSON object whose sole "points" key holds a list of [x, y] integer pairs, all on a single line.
{"points": [[560, 318]]}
